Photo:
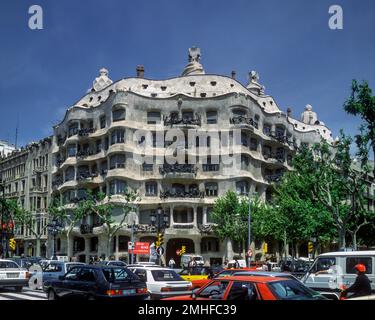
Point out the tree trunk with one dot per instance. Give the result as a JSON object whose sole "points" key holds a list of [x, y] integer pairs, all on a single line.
{"points": [[342, 233], [69, 252], [108, 248], [37, 247], [229, 249]]}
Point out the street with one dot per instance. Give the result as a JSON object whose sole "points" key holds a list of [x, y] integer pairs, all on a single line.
{"points": [[26, 294]]}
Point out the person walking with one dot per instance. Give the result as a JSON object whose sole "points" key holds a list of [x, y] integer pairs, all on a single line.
{"points": [[171, 263]]}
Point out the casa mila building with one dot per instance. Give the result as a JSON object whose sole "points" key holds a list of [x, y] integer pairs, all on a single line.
{"points": [[181, 143]]}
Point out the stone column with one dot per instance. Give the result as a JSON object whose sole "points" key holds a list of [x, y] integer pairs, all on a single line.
{"points": [[171, 220], [197, 246], [204, 218], [195, 217]]}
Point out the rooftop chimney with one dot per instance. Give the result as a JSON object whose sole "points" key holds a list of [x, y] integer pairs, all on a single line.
{"points": [[140, 71], [233, 74]]}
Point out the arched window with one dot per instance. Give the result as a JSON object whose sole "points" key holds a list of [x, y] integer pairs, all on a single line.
{"points": [[242, 187], [211, 117], [266, 129], [151, 188], [117, 161], [102, 121], [211, 189], [117, 187], [69, 174], [253, 144], [153, 117], [73, 129], [117, 136], [118, 113]]}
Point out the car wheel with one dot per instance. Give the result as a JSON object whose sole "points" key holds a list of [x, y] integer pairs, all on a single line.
{"points": [[18, 289], [51, 295]]}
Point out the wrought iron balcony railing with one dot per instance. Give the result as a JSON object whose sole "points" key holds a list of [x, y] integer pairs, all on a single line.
{"points": [[86, 228], [170, 121], [210, 167], [172, 193], [85, 131], [244, 120], [280, 157], [177, 168]]}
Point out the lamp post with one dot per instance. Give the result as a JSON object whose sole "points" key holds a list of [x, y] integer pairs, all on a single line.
{"points": [[249, 230], [54, 228], [160, 220]]}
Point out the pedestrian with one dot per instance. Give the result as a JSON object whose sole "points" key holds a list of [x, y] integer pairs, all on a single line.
{"points": [[192, 263], [361, 286], [236, 264], [225, 264], [171, 263]]}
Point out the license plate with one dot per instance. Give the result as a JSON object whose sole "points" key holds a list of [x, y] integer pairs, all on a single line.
{"points": [[127, 292], [12, 275]]}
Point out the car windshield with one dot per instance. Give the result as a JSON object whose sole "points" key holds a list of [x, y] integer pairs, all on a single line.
{"points": [[8, 265], [293, 290], [69, 266], [118, 275], [165, 275], [216, 289]]}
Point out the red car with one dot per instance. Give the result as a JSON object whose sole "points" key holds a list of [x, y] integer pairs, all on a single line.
{"points": [[225, 273], [252, 288]]}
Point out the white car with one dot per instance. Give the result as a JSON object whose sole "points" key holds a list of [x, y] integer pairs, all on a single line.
{"points": [[162, 282], [11, 275]]}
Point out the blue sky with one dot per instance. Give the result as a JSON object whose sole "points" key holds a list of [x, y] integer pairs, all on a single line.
{"points": [[299, 59]]}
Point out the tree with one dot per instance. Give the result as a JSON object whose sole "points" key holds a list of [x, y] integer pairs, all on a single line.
{"points": [[230, 215], [68, 217], [102, 206], [362, 103], [226, 216], [98, 204], [324, 192], [29, 220]]}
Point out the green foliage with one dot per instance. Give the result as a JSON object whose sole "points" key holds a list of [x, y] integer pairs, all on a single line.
{"points": [[362, 103], [230, 214]]}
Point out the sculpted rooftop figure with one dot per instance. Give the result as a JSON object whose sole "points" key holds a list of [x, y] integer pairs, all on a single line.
{"points": [[193, 67]]}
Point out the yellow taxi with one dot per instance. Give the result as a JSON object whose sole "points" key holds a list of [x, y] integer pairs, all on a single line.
{"points": [[196, 273]]}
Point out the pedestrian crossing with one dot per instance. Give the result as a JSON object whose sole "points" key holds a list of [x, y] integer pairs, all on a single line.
{"points": [[26, 294]]}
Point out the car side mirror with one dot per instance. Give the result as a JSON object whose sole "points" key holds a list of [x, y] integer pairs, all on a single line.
{"points": [[61, 277]]}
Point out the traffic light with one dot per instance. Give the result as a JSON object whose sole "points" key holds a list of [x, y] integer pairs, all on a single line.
{"points": [[12, 244], [160, 240], [183, 250], [310, 247], [265, 247]]}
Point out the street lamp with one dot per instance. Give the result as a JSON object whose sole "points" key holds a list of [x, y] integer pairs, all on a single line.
{"points": [[54, 227]]}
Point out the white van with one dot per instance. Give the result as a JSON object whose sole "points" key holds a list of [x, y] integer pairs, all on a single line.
{"points": [[186, 258], [330, 271]]}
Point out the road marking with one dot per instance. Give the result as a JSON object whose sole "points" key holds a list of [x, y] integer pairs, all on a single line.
{"points": [[20, 296]]}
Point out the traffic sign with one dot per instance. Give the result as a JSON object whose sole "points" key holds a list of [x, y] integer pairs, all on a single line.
{"points": [[160, 251]]}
